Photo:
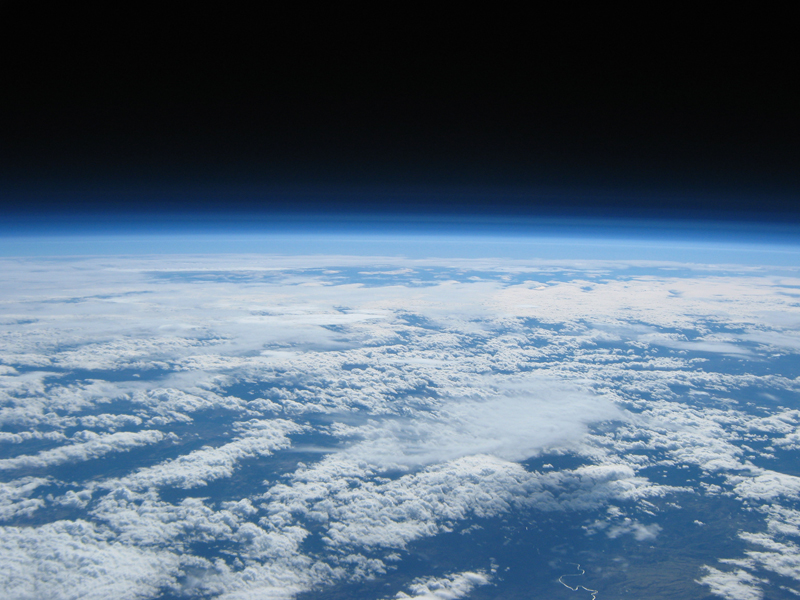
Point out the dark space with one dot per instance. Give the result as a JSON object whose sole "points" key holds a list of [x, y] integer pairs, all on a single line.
{"points": [[175, 111]]}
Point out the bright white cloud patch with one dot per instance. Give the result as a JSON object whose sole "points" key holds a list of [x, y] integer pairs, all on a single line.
{"points": [[512, 425], [199, 467], [75, 560], [769, 486], [95, 446], [733, 585], [454, 586]]}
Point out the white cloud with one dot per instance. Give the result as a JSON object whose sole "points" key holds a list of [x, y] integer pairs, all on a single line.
{"points": [[512, 425], [637, 530], [782, 558], [782, 520], [199, 467], [75, 560], [14, 497], [450, 587], [733, 585], [24, 436], [110, 422], [617, 525], [776, 554], [95, 447], [391, 513], [769, 485]]}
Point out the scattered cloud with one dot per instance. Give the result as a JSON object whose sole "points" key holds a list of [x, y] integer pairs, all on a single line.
{"points": [[450, 587], [76, 560], [95, 446], [418, 387], [199, 467], [733, 585]]}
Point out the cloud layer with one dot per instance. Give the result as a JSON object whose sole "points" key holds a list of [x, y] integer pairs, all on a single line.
{"points": [[257, 427]]}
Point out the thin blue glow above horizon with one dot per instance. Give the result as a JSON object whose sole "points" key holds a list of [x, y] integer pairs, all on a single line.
{"points": [[567, 240]]}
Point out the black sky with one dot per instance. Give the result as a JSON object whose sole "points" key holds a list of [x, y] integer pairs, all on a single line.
{"points": [[513, 114]]}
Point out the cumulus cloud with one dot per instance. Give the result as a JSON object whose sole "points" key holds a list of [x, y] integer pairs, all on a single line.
{"points": [[630, 527], [24, 436], [782, 558], [95, 447], [75, 560], [106, 421], [615, 527], [733, 585], [199, 467], [15, 500], [450, 587], [769, 485], [391, 513], [770, 551]]}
